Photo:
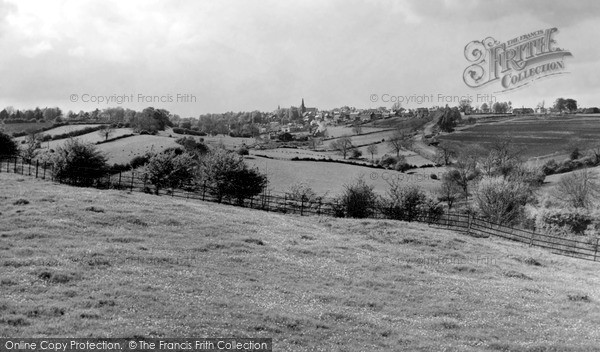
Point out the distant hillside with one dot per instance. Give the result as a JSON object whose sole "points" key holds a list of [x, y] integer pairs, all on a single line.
{"points": [[84, 262]]}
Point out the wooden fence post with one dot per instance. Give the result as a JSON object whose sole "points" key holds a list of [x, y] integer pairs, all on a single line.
{"points": [[531, 239], [131, 185], [29, 168], [596, 248], [203, 190], [15, 166], [119, 179], [37, 165], [302, 205]]}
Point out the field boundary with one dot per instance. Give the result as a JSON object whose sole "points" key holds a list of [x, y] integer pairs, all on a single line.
{"points": [[282, 203]]}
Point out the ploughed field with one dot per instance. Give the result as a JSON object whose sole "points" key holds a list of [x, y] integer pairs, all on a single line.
{"points": [[539, 136]]}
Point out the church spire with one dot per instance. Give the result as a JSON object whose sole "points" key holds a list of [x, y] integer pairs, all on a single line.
{"points": [[302, 107]]}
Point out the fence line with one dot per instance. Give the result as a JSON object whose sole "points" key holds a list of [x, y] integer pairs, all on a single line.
{"points": [[281, 202]]}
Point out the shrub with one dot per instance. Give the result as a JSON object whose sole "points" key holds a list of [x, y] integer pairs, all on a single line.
{"points": [[8, 147], [78, 163], [301, 195], [139, 161], [550, 167], [358, 200], [243, 151], [228, 177], [409, 203], [573, 221], [355, 154], [501, 200], [434, 176], [401, 166], [144, 132], [168, 169]]}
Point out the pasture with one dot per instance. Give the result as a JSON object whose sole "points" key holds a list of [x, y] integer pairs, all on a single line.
{"points": [[539, 136], [91, 137], [89, 263], [68, 128], [22, 127], [329, 178], [123, 150]]}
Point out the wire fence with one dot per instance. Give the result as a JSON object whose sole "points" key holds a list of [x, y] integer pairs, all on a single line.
{"points": [[134, 181]]}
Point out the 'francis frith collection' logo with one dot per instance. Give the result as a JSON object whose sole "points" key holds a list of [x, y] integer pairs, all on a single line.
{"points": [[516, 62]]}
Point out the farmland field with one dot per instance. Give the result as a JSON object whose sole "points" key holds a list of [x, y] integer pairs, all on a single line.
{"points": [[68, 128], [82, 262], [538, 136], [328, 177], [123, 150], [91, 137], [20, 127]]}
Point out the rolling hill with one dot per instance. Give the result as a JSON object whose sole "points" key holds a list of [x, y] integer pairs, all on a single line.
{"points": [[84, 262]]}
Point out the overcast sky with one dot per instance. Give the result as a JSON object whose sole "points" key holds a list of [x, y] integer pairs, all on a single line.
{"points": [[239, 55]]}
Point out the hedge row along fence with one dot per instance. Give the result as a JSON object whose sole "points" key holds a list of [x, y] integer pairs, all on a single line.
{"points": [[281, 202]]}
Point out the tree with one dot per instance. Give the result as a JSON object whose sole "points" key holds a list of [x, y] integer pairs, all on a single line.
{"points": [[227, 176], [578, 189], [342, 145], [465, 106], [372, 149], [357, 128], [8, 147], [571, 105], [359, 200], [397, 107], [31, 150], [444, 153], [106, 131], [485, 107], [78, 163], [168, 169], [449, 191], [448, 118], [465, 170], [501, 200], [398, 141], [560, 105]]}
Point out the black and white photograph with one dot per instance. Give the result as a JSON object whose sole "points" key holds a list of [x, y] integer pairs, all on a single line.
{"points": [[310, 175]]}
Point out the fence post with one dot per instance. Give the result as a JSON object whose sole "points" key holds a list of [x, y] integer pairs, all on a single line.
{"points": [[469, 224], [285, 203], [44, 176], [15, 167], [531, 240], [596, 248], [119, 179], [302, 205], [131, 185], [29, 168], [319, 208], [203, 190], [37, 165]]}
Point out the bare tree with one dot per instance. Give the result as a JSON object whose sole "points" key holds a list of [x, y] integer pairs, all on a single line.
{"points": [[106, 131], [445, 153], [578, 189], [398, 141], [372, 149], [449, 191], [342, 145], [357, 128]]}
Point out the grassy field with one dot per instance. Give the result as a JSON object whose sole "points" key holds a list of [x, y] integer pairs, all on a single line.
{"points": [[538, 136], [123, 150], [67, 129], [326, 177], [88, 263], [20, 127]]}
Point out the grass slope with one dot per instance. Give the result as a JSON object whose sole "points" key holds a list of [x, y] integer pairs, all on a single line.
{"points": [[84, 262]]}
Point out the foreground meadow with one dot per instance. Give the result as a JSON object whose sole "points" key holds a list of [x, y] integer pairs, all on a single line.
{"points": [[90, 263]]}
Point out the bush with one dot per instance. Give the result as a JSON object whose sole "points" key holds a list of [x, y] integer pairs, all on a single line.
{"points": [[169, 169], [572, 221], [550, 167], [409, 203], [243, 151], [78, 163], [387, 161], [139, 161], [228, 177], [401, 166], [358, 200], [501, 200], [434, 176], [8, 147], [355, 154]]}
